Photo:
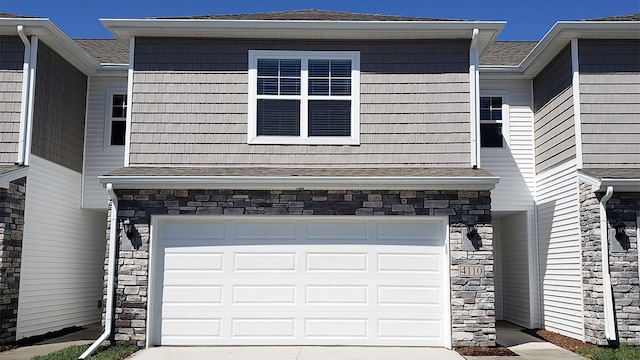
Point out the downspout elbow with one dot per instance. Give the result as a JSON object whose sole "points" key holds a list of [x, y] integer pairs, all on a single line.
{"points": [[24, 101], [113, 239], [609, 319]]}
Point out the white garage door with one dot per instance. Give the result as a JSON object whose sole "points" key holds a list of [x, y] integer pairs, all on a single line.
{"points": [[303, 281]]}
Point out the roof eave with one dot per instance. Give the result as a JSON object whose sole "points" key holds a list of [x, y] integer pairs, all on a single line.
{"points": [[563, 32], [300, 182], [124, 29], [8, 177], [55, 38], [601, 184], [559, 36]]}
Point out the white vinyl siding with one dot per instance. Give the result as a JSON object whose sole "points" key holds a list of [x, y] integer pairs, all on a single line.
{"points": [[62, 255], [514, 163], [304, 281], [560, 250], [515, 269], [99, 157]]}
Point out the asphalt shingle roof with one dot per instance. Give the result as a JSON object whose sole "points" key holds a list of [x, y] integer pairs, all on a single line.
{"points": [[14, 16], [308, 14], [630, 17], [285, 172], [105, 50], [508, 53], [613, 173]]}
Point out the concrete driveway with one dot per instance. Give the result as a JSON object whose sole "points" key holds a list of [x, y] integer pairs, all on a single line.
{"points": [[295, 353]]}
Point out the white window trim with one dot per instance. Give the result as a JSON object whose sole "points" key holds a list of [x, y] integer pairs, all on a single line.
{"points": [[505, 118], [108, 116], [304, 139]]}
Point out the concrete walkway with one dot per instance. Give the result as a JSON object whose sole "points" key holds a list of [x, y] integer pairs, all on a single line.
{"points": [[509, 335], [526, 346], [295, 353], [87, 335]]}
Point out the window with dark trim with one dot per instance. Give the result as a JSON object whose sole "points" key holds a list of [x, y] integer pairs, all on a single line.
{"points": [[118, 123], [491, 122]]}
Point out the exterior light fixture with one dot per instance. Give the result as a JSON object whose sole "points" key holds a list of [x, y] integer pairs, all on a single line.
{"points": [[474, 237]]}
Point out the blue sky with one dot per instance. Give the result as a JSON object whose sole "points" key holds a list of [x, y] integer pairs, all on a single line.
{"points": [[526, 19]]}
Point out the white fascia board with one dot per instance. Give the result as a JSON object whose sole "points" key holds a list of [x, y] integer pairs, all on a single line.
{"points": [[6, 178], [556, 39], [619, 185], [123, 29], [300, 182], [55, 38]]}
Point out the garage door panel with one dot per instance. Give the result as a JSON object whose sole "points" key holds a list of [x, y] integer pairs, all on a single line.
{"points": [[409, 262], [336, 283], [399, 328], [261, 294], [192, 260], [263, 328], [328, 231], [264, 261], [409, 295], [268, 231], [336, 261], [336, 295], [336, 328]]}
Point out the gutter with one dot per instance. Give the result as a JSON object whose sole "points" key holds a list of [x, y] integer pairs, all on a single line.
{"points": [[26, 94], [113, 238], [474, 93], [300, 182], [609, 320]]}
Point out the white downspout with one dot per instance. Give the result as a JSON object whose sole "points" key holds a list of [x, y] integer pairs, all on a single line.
{"points": [[24, 107], [32, 90], [609, 320], [474, 91], [113, 239]]}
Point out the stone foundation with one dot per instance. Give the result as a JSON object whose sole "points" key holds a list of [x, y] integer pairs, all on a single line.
{"points": [[473, 314], [12, 202], [622, 209]]}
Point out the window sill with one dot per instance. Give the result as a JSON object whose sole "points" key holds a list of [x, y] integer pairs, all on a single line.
{"points": [[294, 140]]}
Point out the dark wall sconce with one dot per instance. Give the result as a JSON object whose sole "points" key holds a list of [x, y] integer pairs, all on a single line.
{"points": [[621, 236], [474, 237], [132, 233]]}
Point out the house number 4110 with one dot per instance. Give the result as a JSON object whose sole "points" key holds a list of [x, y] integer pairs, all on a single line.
{"points": [[471, 271]]}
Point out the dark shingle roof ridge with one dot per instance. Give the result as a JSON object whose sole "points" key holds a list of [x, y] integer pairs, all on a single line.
{"points": [[16, 16], [307, 14], [628, 17]]}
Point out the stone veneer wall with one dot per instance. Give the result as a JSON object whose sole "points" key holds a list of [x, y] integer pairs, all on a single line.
{"points": [[623, 265], [12, 203], [473, 314]]}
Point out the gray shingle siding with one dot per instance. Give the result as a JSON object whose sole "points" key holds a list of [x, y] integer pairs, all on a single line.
{"points": [[11, 61], [190, 105], [610, 89], [553, 79], [11, 53], [59, 110]]}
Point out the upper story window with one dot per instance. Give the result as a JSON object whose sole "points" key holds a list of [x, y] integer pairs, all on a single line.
{"points": [[117, 116], [491, 122], [304, 97]]}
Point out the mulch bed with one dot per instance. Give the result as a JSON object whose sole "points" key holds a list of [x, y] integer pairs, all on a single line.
{"points": [[565, 342], [485, 351]]}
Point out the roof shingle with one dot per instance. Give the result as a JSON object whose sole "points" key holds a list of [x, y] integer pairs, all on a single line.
{"points": [[105, 50], [307, 14], [510, 53]]}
